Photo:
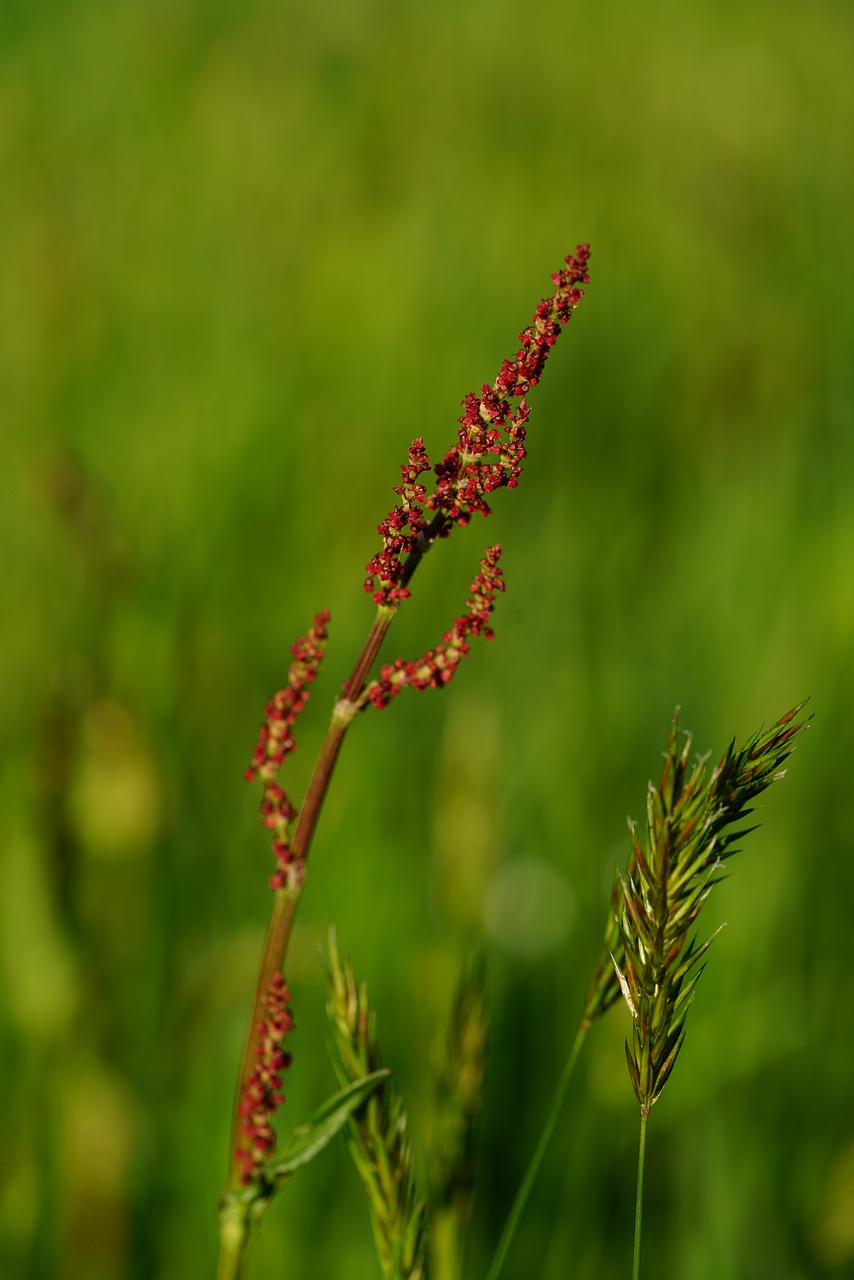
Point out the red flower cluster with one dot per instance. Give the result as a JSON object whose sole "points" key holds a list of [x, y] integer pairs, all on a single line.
{"points": [[275, 741], [400, 529], [262, 1094], [436, 668], [490, 447]]}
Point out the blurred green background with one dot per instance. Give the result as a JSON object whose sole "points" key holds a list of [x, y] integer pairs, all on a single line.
{"points": [[248, 251]]}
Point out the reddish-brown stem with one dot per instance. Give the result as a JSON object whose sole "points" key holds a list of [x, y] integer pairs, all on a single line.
{"points": [[275, 944], [285, 900], [435, 529], [356, 683]]}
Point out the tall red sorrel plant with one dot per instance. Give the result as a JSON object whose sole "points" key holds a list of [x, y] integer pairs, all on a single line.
{"points": [[487, 456]]}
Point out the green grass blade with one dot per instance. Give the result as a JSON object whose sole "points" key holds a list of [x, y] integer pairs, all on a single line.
{"points": [[329, 1119]]}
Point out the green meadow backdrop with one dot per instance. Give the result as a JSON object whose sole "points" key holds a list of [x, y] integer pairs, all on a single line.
{"points": [[248, 251]]}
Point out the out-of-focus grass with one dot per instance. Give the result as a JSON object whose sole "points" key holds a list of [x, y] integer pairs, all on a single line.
{"points": [[248, 252]]}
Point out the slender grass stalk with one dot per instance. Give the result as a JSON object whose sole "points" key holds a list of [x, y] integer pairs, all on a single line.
{"points": [[636, 1257], [527, 1183]]}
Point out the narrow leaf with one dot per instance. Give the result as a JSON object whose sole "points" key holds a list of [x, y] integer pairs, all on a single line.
{"points": [[309, 1139]]}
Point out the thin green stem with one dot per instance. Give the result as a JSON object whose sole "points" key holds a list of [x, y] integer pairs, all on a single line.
{"points": [[233, 1235], [536, 1160], [639, 1201], [445, 1245]]}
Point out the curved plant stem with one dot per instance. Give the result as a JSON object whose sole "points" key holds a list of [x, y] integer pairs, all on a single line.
{"points": [[522, 1195], [234, 1228], [285, 900], [639, 1200]]}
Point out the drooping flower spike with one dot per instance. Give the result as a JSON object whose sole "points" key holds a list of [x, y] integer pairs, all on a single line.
{"points": [[436, 667], [276, 741]]}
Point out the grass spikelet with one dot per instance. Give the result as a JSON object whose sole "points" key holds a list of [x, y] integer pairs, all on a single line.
{"points": [[692, 821], [376, 1133]]}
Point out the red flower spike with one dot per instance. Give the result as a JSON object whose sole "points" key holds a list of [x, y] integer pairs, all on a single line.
{"points": [[276, 741], [262, 1094], [437, 666], [399, 531], [491, 441], [487, 460]]}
